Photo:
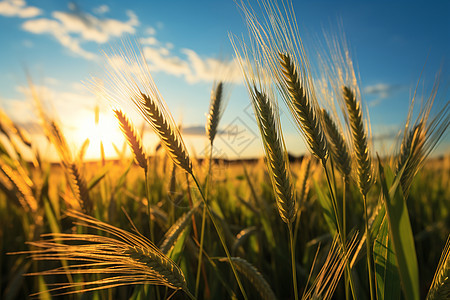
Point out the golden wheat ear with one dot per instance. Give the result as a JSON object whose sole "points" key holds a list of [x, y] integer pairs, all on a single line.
{"points": [[303, 109], [122, 258], [420, 138], [133, 138], [338, 146], [276, 155], [440, 287], [128, 79], [329, 275], [360, 141], [215, 111]]}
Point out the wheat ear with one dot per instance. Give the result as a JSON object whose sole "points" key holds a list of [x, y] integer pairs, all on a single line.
{"points": [[254, 276], [129, 79], [25, 193], [440, 287], [215, 111], [169, 136], [79, 187], [276, 156], [329, 276], [123, 258], [133, 138], [303, 109], [420, 140], [338, 146], [360, 145], [176, 229]]}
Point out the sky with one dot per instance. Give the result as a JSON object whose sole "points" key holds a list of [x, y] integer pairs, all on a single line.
{"points": [[394, 44]]}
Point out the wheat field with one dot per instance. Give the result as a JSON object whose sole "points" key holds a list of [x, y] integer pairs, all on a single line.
{"points": [[340, 222]]}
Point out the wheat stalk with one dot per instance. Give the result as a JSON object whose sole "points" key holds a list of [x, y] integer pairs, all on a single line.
{"points": [[132, 137], [124, 258]]}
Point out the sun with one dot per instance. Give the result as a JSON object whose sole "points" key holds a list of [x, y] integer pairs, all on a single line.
{"points": [[100, 128]]}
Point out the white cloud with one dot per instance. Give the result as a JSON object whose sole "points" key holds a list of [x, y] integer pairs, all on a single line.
{"points": [[52, 27], [102, 9], [150, 30], [91, 28], [192, 67], [380, 91], [18, 8], [73, 28], [149, 41]]}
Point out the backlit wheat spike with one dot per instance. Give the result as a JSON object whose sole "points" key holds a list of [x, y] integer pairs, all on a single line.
{"points": [[410, 152], [360, 145], [276, 155], [303, 109], [440, 287], [169, 136], [215, 111], [128, 78], [268, 119], [304, 179], [5, 121], [420, 138], [329, 276], [176, 229], [133, 138], [79, 187], [254, 276], [338, 146], [123, 258], [25, 196]]}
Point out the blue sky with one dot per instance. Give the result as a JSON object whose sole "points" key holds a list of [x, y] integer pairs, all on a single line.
{"points": [[59, 43]]}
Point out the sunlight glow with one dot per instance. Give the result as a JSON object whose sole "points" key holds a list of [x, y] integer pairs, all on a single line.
{"points": [[105, 131]]}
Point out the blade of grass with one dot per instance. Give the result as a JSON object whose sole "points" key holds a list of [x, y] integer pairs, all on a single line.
{"points": [[400, 231]]}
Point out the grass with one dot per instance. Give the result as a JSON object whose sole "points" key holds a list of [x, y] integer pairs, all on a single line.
{"points": [[162, 225]]}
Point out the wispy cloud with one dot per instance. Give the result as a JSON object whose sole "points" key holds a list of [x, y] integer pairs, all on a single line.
{"points": [[73, 28], [380, 92], [18, 8], [191, 66], [102, 9]]}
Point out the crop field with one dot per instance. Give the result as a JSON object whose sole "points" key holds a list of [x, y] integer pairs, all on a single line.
{"points": [[340, 222]]}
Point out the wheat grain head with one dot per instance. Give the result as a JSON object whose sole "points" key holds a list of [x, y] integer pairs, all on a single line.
{"points": [[128, 78], [123, 258], [267, 117], [133, 138]]}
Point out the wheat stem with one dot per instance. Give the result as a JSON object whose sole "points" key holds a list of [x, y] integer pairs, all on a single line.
{"points": [[340, 230], [221, 237], [294, 267], [202, 232]]}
